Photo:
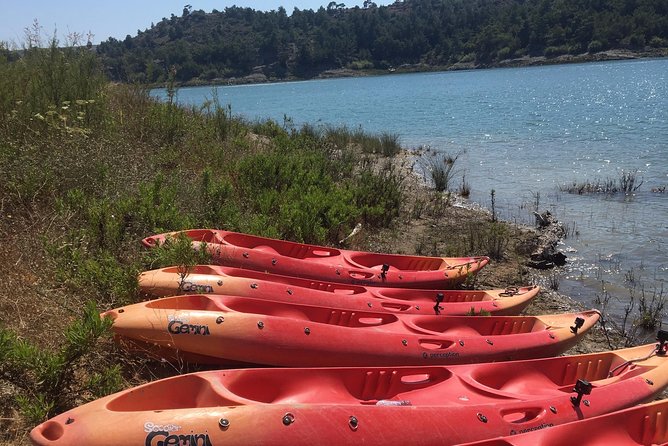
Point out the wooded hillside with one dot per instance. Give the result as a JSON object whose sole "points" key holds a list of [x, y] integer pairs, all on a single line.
{"points": [[435, 33]]}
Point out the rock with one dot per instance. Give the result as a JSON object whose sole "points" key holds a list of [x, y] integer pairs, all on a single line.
{"points": [[550, 231]]}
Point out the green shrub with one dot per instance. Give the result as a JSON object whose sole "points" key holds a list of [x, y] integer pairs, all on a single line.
{"points": [[93, 168], [47, 377]]}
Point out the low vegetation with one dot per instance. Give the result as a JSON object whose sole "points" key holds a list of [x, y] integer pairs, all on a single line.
{"points": [[440, 170], [89, 168], [628, 182], [643, 312]]}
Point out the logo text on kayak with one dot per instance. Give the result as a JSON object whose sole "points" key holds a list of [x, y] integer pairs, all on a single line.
{"points": [[179, 327], [164, 438], [196, 288]]}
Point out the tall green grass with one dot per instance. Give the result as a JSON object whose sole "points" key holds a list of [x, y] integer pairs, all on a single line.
{"points": [[89, 168]]}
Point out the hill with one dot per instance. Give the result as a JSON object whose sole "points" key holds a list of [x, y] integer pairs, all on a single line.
{"points": [[201, 47]]}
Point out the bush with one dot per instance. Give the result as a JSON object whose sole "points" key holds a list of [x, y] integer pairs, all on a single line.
{"points": [[439, 169], [595, 46], [47, 378], [92, 168]]}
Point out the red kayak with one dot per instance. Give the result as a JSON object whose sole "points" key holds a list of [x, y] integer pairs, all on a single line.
{"points": [[214, 279], [386, 406], [639, 425], [328, 264], [219, 328]]}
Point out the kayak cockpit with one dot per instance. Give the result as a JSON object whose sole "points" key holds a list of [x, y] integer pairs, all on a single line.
{"points": [[342, 386], [280, 247], [463, 326], [559, 376], [396, 262], [181, 392]]}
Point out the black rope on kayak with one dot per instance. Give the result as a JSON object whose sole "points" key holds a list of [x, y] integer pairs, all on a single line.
{"points": [[439, 299], [659, 350], [510, 291]]}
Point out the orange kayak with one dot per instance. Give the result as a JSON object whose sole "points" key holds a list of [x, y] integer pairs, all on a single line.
{"points": [[328, 264], [214, 279], [639, 425], [435, 405], [219, 328]]}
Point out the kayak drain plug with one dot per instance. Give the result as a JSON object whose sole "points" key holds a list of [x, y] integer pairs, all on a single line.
{"points": [[579, 322], [288, 419], [353, 423], [224, 423], [582, 387]]}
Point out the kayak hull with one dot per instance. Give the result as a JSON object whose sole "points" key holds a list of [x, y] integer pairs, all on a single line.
{"points": [[434, 405], [328, 264], [215, 279], [226, 328], [640, 425]]}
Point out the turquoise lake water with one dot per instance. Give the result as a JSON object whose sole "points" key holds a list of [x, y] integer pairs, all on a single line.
{"points": [[522, 132]]}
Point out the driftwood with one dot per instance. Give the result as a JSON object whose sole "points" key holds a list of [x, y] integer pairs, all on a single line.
{"points": [[550, 232]]}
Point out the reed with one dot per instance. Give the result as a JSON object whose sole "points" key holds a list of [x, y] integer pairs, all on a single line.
{"points": [[643, 312], [628, 182], [439, 169], [384, 144]]}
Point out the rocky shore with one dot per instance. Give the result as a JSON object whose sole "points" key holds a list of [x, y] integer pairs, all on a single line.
{"points": [[435, 223], [259, 77]]}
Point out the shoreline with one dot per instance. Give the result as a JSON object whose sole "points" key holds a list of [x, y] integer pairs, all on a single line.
{"points": [[434, 230], [527, 61]]}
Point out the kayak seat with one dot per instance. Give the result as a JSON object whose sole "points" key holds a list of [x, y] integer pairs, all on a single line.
{"points": [[440, 327], [530, 381], [386, 384], [306, 387], [396, 262], [277, 247], [193, 391], [183, 302]]}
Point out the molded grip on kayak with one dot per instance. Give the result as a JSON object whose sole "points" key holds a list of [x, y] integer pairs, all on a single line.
{"points": [[360, 274], [524, 415], [392, 306], [429, 344]]}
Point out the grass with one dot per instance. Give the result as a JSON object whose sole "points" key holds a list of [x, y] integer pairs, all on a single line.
{"points": [[440, 170], [385, 144], [643, 311], [89, 168], [628, 182]]}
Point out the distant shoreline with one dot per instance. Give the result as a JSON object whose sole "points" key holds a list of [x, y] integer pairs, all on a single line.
{"points": [[526, 61]]}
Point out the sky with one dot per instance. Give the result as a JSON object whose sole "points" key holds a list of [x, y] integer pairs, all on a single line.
{"points": [[118, 18]]}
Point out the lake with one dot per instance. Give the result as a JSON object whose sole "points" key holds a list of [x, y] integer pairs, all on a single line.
{"points": [[522, 132]]}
